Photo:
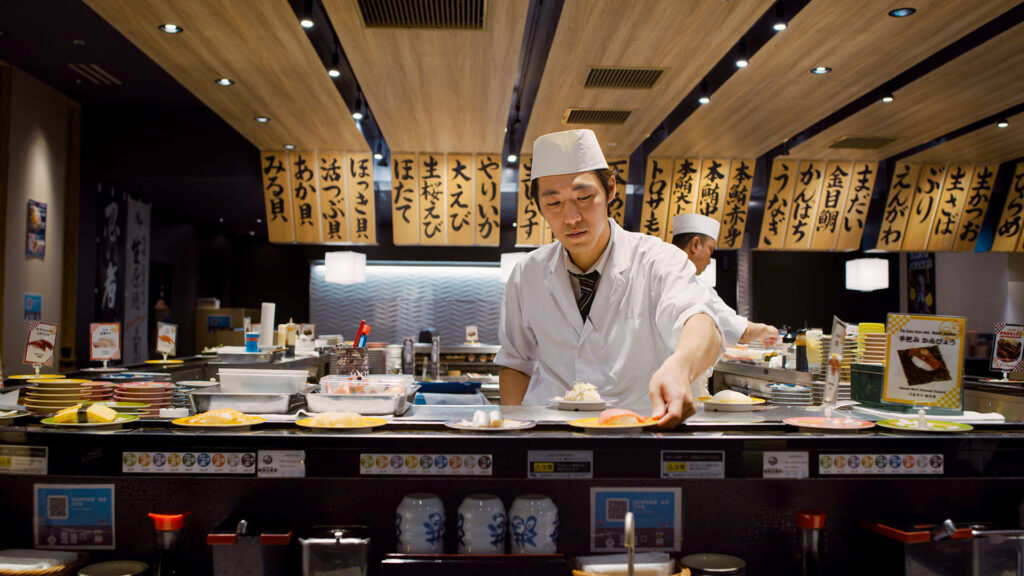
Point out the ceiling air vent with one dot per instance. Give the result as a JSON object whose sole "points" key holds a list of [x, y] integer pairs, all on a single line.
{"points": [[93, 73], [596, 116], [622, 77], [861, 142], [428, 14]]}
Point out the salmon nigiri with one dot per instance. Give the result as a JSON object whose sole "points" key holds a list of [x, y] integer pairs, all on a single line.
{"points": [[621, 417]]}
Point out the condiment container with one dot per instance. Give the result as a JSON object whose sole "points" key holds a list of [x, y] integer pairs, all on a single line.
{"points": [[330, 550], [714, 564], [241, 547], [810, 526]]}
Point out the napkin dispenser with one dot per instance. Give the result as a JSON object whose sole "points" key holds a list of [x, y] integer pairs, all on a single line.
{"points": [[336, 551], [244, 547]]}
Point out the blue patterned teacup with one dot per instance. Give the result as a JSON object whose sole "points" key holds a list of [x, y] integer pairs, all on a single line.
{"points": [[419, 524], [533, 525], [482, 523]]}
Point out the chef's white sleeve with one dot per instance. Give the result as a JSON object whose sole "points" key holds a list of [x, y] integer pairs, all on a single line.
{"points": [[518, 343], [680, 295], [733, 325]]}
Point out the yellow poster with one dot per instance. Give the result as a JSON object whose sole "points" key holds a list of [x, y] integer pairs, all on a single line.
{"points": [[405, 206], [897, 206], [950, 207], [305, 200], [923, 207], [656, 197], [277, 196], [433, 199], [461, 199], [487, 231], [333, 200], [777, 204], [978, 196], [858, 200], [734, 217], [809, 177], [617, 205], [528, 218], [363, 220]]}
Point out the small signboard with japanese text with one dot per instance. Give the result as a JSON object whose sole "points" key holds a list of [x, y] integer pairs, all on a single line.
{"points": [[1006, 348], [105, 341], [42, 339], [925, 361]]}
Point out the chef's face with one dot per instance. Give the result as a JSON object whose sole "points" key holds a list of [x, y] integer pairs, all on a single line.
{"points": [[700, 250], [576, 208]]}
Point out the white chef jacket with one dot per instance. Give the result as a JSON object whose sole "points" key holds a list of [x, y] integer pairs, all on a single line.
{"points": [[647, 291], [732, 324]]}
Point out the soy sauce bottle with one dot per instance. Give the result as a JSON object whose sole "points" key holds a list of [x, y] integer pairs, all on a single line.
{"points": [[810, 560]]}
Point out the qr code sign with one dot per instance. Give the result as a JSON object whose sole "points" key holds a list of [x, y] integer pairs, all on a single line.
{"points": [[616, 508], [57, 507]]}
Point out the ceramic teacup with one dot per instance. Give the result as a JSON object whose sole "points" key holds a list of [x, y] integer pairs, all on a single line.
{"points": [[482, 524], [419, 524], [533, 525]]}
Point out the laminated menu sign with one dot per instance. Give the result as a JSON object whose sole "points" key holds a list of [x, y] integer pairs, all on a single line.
{"points": [[74, 516], [105, 341], [835, 360], [924, 361], [657, 516], [166, 338], [42, 338], [1006, 350]]}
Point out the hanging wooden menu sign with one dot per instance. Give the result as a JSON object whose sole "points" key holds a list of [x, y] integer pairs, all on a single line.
{"points": [[830, 204], [432, 199], [487, 231], [711, 196], [897, 206], [363, 222], [804, 205], [683, 193], [546, 237], [655, 201], [461, 199], [777, 203], [405, 206], [734, 216], [305, 200], [333, 207], [617, 205], [528, 218], [923, 208], [1007, 236], [856, 207], [950, 208], [980, 192], [277, 196]]}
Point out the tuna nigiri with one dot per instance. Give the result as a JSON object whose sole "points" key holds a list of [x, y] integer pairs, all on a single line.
{"points": [[621, 417]]}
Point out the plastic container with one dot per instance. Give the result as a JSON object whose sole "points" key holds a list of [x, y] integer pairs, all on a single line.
{"points": [[262, 381], [810, 525], [168, 528], [336, 550]]}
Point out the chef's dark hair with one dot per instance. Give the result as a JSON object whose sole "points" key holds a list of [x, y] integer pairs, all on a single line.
{"points": [[683, 240], [604, 175]]}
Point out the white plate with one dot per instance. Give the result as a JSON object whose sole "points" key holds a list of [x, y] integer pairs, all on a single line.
{"points": [[581, 405], [507, 425], [730, 406]]}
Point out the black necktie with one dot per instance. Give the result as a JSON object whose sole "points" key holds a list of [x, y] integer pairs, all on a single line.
{"points": [[588, 283]]}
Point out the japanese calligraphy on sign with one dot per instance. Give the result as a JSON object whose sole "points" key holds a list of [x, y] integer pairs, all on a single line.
{"points": [[950, 207], [461, 199], [362, 221], [897, 206], [734, 216], [925, 358], [433, 200], [980, 192], [809, 177], [277, 196], [1008, 232], [617, 205], [333, 208], [685, 182], [923, 207], [528, 218], [305, 198], [654, 215], [487, 228], [405, 205], [711, 191], [858, 198], [777, 203], [831, 202]]}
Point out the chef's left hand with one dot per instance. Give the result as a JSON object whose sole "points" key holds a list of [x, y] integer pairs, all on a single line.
{"points": [[671, 398]]}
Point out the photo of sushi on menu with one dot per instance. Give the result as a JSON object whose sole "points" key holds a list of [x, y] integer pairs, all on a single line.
{"points": [[1006, 348], [42, 340], [925, 360]]}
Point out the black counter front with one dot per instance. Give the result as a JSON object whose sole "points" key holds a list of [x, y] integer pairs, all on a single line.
{"points": [[356, 479]]}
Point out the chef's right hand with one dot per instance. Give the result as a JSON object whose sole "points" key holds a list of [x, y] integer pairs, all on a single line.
{"points": [[671, 399]]}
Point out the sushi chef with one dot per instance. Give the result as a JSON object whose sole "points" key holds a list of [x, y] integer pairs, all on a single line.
{"points": [[697, 236], [620, 310]]}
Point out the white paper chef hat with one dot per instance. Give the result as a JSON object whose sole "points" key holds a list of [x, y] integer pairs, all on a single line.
{"points": [[566, 152], [686, 223]]}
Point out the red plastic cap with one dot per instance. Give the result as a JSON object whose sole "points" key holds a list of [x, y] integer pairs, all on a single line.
{"points": [[168, 522], [811, 519]]}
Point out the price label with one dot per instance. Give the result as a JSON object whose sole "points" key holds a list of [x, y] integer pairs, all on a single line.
{"points": [[691, 464], [560, 464]]}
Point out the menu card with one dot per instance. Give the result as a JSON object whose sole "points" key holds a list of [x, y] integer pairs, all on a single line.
{"points": [[925, 361], [166, 338], [105, 341], [42, 340], [1006, 348]]}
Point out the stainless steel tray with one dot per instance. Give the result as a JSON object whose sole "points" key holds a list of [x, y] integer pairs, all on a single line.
{"points": [[266, 357], [249, 402], [365, 404]]}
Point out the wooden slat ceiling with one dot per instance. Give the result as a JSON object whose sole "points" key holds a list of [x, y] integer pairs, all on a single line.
{"points": [[685, 38], [260, 46], [777, 96], [436, 90], [978, 84], [987, 144]]}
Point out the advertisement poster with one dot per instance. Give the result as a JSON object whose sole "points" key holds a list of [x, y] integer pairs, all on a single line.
{"points": [[42, 340], [166, 338], [35, 242], [33, 306], [74, 516], [1006, 351], [921, 283], [657, 517], [105, 341], [925, 361]]}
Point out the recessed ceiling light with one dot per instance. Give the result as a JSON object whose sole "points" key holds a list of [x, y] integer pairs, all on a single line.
{"points": [[251, 233], [888, 97], [306, 23], [512, 158], [357, 115], [262, 119], [902, 12], [820, 70], [377, 156], [742, 63], [289, 146], [1003, 123], [78, 42], [704, 100], [225, 81], [221, 220], [779, 26], [333, 73], [259, 220], [170, 28]]}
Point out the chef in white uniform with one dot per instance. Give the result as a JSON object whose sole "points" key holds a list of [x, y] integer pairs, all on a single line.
{"points": [[620, 310]]}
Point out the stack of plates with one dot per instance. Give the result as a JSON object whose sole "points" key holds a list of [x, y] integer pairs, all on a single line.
{"points": [[851, 354], [99, 391], [874, 348], [790, 394], [53, 394], [157, 394]]}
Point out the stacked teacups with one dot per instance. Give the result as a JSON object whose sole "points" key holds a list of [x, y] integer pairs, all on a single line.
{"points": [[482, 525], [419, 524]]}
